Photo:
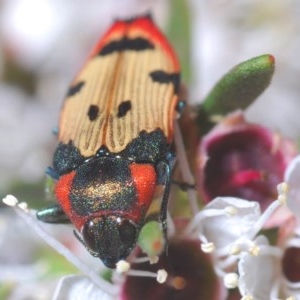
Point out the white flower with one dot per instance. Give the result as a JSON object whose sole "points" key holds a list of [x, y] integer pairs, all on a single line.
{"points": [[230, 226], [280, 277]]}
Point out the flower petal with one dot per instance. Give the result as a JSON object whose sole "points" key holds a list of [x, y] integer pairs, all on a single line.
{"points": [[253, 281], [238, 218], [243, 160], [292, 177], [79, 287]]}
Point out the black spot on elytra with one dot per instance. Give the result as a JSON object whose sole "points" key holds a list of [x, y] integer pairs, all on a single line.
{"points": [[124, 108], [137, 44], [75, 88], [93, 112], [164, 77]]}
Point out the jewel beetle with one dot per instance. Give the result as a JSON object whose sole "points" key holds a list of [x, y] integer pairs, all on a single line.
{"points": [[115, 139]]}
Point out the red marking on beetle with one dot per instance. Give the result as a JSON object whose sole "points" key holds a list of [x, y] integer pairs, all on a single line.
{"points": [[145, 28], [145, 179], [62, 193]]}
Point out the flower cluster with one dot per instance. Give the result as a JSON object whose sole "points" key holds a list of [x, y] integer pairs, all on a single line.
{"points": [[235, 236]]}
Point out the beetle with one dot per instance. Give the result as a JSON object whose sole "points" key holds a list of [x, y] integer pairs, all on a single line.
{"points": [[115, 139]]}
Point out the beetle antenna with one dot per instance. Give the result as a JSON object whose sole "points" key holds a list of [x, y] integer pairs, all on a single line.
{"points": [[164, 202]]}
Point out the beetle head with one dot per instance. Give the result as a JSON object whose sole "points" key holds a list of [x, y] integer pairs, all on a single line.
{"points": [[111, 238]]}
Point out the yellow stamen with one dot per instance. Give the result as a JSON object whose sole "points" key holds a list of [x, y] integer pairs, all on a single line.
{"points": [[254, 250]]}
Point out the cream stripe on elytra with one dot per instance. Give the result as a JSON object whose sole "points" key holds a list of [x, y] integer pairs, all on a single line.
{"points": [[109, 81]]}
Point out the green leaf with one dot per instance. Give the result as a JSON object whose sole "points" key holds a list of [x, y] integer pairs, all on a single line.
{"points": [[238, 88]]}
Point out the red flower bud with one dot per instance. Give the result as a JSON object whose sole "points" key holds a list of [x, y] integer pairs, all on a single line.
{"points": [[243, 160]]}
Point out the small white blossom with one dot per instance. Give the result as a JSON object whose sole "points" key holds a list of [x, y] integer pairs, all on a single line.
{"points": [[273, 283], [230, 233]]}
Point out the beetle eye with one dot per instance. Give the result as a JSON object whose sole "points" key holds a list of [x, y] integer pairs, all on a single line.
{"points": [[127, 232], [89, 237]]}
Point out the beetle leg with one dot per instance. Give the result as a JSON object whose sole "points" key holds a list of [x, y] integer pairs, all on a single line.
{"points": [[164, 204], [52, 214]]}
